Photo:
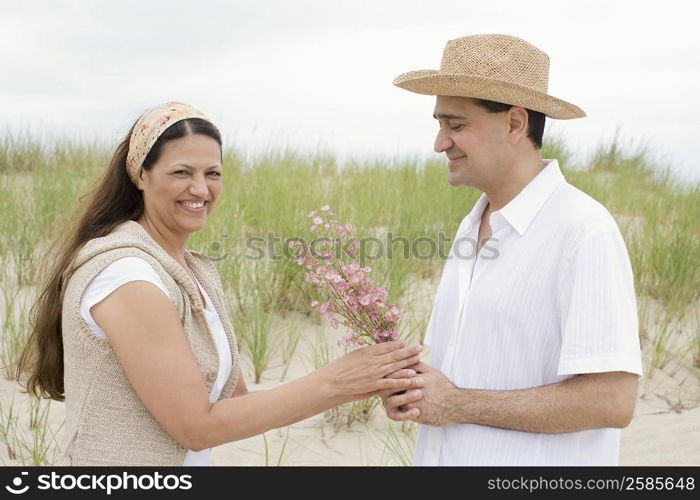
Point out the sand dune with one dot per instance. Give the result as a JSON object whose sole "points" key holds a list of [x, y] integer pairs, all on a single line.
{"points": [[664, 431]]}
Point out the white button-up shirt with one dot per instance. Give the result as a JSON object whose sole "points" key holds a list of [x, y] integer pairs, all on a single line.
{"points": [[549, 296]]}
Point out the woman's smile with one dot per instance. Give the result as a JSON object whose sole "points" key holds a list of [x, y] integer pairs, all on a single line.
{"points": [[195, 207]]}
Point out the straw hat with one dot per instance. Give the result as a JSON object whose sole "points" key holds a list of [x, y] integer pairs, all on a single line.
{"points": [[499, 68]]}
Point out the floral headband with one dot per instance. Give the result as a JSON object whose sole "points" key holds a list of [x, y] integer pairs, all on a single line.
{"points": [[150, 126]]}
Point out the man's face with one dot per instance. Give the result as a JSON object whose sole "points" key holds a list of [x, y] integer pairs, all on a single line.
{"points": [[474, 141]]}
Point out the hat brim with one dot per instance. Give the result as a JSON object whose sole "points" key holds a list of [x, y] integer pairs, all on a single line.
{"points": [[433, 82]]}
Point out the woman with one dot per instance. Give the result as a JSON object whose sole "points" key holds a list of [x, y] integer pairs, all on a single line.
{"points": [[140, 345]]}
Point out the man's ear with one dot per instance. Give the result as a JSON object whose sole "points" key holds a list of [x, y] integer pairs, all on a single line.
{"points": [[517, 124]]}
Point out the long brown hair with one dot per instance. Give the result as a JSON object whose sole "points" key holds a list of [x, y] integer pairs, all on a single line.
{"points": [[114, 199]]}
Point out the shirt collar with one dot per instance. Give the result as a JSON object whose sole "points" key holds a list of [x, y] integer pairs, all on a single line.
{"points": [[521, 210], [474, 216]]}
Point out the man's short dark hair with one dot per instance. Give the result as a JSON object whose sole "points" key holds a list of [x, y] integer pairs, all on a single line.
{"points": [[535, 119]]}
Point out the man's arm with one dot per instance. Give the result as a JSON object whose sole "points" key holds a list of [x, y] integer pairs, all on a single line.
{"points": [[582, 402]]}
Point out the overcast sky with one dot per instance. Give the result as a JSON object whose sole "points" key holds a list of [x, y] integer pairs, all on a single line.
{"points": [[318, 73]]}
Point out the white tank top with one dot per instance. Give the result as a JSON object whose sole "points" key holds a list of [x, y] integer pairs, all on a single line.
{"points": [[129, 269]]}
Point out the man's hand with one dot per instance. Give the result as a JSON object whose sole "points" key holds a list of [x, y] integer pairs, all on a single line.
{"points": [[393, 401], [429, 405], [436, 406]]}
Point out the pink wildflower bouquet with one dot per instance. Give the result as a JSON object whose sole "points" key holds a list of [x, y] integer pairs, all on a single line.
{"points": [[346, 290]]}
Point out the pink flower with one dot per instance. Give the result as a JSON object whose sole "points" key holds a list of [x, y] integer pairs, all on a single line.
{"points": [[348, 296]]}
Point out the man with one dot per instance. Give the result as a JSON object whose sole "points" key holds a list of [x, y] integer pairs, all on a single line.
{"points": [[535, 351]]}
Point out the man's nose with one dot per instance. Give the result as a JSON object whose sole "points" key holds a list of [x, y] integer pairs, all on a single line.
{"points": [[442, 142]]}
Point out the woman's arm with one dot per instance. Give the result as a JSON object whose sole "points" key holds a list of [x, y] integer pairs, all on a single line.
{"points": [[144, 330]]}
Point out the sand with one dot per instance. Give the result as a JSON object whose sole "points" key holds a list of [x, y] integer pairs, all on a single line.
{"points": [[664, 431]]}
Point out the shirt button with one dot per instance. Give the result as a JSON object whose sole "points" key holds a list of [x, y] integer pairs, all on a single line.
{"points": [[433, 448]]}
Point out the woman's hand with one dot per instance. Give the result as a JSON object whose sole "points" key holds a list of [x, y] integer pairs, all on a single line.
{"points": [[361, 373]]}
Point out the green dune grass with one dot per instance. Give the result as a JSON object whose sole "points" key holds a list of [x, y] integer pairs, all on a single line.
{"points": [[42, 184]]}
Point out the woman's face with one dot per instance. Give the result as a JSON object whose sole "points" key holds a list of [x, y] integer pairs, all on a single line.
{"points": [[182, 187]]}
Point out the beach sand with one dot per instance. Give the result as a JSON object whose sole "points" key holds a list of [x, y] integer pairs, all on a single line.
{"points": [[664, 431]]}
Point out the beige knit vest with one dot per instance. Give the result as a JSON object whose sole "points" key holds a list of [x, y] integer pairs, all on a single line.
{"points": [[106, 422]]}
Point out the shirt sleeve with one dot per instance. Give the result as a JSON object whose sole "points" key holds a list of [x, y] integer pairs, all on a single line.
{"points": [[116, 274], [598, 309]]}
